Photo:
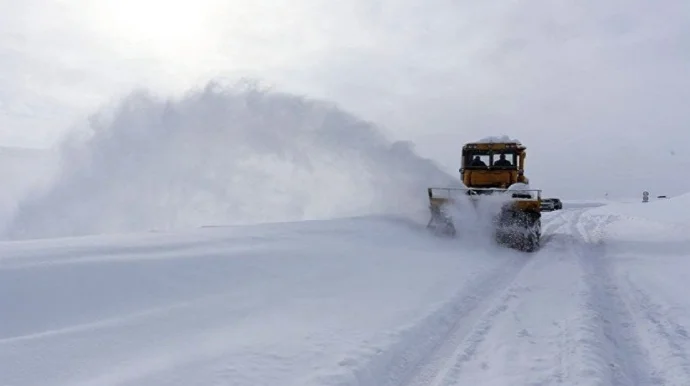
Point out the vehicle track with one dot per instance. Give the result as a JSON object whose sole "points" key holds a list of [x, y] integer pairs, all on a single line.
{"points": [[666, 339], [613, 345], [459, 344], [599, 344]]}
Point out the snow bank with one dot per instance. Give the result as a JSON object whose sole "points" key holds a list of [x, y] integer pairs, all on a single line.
{"points": [[655, 222], [671, 210], [573, 204], [224, 155]]}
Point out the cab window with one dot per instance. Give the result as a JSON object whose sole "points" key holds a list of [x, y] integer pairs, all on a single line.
{"points": [[504, 160], [478, 160]]}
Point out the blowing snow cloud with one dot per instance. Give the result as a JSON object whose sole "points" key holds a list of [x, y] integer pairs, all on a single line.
{"points": [[223, 155]]}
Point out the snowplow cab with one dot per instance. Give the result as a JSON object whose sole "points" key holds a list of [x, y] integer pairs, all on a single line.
{"points": [[487, 166], [493, 165]]}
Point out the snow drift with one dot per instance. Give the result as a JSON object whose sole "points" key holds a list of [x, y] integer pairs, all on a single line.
{"points": [[224, 154]]}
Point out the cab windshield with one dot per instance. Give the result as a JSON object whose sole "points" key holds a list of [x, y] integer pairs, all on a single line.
{"points": [[493, 160]]}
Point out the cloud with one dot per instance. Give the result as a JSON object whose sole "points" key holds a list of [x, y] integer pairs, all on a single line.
{"points": [[585, 85], [594, 89]]}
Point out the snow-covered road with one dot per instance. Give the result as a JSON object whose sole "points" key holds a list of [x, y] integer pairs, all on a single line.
{"points": [[591, 308], [368, 302]]}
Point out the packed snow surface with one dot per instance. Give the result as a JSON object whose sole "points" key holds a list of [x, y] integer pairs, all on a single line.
{"points": [[363, 301]]}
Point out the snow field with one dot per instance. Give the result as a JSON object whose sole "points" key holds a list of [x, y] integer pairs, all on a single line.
{"points": [[309, 303], [363, 301]]}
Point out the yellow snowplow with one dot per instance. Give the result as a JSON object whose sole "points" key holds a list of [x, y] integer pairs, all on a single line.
{"points": [[493, 169]]}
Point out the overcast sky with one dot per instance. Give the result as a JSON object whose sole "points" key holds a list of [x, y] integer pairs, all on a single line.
{"points": [[598, 90]]}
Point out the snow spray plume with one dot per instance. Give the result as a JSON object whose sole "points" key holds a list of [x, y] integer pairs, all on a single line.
{"points": [[22, 171], [474, 221], [224, 155]]}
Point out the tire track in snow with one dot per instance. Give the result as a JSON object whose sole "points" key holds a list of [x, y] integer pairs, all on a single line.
{"points": [[610, 348], [600, 340], [668, 340], [443, 365], [458, 346]]}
